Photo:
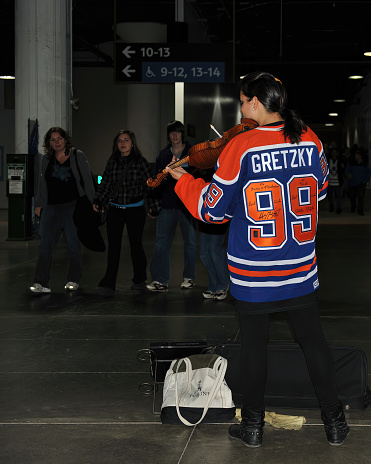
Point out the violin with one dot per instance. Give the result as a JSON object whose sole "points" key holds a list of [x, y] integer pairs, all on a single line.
{"points": [[205, 155]]}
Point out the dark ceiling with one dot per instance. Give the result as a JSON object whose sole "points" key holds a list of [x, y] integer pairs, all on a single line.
{"points": [[312, 46]]}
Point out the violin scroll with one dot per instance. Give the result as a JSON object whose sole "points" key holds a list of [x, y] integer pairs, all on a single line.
{"points": [[156, 181]]}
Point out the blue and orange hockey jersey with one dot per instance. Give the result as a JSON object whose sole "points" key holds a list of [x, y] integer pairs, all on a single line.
{"points": [[269, 189]]}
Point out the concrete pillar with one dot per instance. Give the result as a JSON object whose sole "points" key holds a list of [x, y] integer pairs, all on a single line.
{"points": [[144, 117], [42, 67]]}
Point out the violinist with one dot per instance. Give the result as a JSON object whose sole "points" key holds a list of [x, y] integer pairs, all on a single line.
{"points": [[172, 213], [268, 183]]}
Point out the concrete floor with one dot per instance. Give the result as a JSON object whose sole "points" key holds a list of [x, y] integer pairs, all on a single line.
{"points": [[70, 377]]}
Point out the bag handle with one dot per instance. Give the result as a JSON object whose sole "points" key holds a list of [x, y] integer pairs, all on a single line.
{"points": [[78, 168], [220, 368], [74, 152]]}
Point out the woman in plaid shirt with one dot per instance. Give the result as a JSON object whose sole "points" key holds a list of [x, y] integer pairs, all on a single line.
{"points": [[127, 207]]}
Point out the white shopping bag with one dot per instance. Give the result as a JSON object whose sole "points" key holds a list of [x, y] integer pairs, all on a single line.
{"points": [[195, 389]]}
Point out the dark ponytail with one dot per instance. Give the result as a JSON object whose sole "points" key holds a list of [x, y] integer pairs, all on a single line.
{"points": [[294, 126], [273, 96]]}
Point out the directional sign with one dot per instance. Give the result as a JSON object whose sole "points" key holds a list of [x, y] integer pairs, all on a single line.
{"points": [[128, 52], [128, 71], [157, 63], [182, 72]]}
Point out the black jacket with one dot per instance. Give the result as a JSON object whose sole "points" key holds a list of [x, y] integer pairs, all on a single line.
{"points": [[165, 191]]}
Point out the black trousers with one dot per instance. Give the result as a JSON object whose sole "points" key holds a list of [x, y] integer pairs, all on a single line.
{"points": [[134, 219], [309, 334], [357, 198]]}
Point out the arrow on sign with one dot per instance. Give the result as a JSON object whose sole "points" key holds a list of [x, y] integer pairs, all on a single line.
{"points": [[127, 70], [127, 51]]}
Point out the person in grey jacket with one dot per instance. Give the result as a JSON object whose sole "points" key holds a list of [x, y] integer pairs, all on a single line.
{"points": [[58, 189]]}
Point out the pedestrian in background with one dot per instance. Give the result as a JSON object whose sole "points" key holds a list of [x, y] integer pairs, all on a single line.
{"points": [[173, 212], [126, 172], [58, 189], [358, 175]]}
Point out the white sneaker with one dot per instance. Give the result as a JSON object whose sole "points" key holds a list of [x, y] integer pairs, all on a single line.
{"points": [[187, 283], [209, 295], [221, 294], [71, 286], [38, 289], [157, 286]]}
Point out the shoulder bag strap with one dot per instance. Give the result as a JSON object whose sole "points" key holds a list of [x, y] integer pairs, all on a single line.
{"points": [[78, 168]]}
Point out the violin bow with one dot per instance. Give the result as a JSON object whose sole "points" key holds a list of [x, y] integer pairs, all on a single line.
{"points": [[216, 132]]}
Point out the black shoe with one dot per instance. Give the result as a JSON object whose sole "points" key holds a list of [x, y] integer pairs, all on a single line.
{"points": [[105, 292], [250, 436], [336, 426], [250, 430]]}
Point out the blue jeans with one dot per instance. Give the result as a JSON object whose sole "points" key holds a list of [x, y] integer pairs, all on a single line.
{"points": [[213, 255], [54, 218], [167, 222]]}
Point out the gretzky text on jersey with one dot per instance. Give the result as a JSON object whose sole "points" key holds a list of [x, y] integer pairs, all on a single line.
{"points": [[269, 189]]}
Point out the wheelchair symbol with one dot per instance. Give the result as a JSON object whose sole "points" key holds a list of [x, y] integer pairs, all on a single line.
{"points": [[150, 73]]}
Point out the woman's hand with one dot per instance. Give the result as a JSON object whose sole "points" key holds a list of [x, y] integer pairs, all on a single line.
{"points": [[96, 208], [152, 214], [37, 211]]}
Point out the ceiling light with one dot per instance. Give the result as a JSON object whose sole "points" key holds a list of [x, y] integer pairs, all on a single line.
{"points": [[354, 77], [333, 114], [367, 53], [339, 100], [7, 77], [329, 124]]}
